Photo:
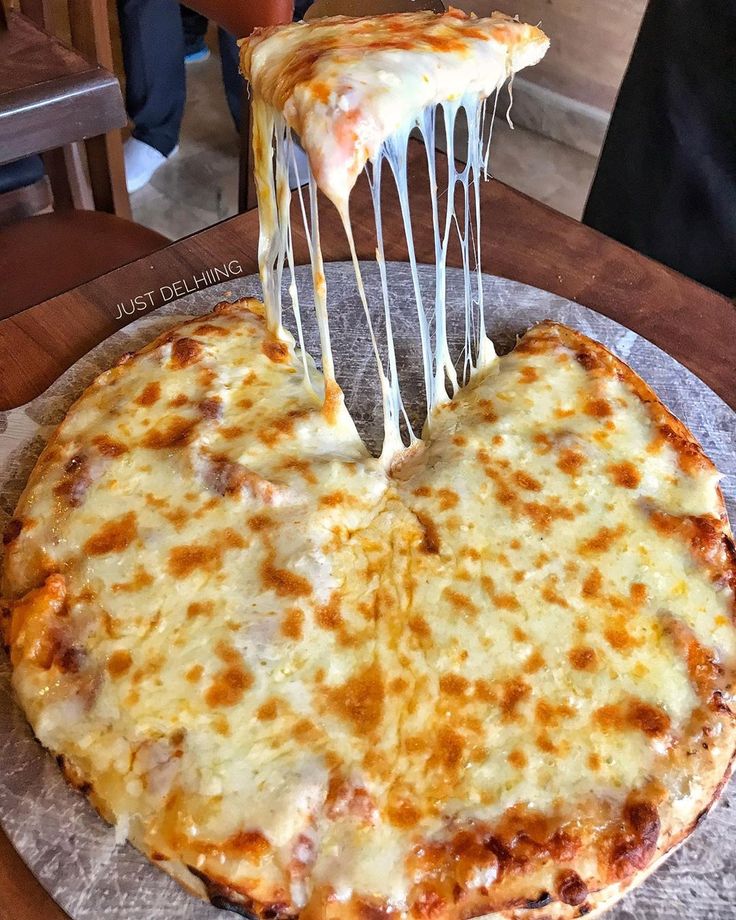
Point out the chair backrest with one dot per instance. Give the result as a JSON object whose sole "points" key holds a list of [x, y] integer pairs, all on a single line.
{"points": [[85, 25]]}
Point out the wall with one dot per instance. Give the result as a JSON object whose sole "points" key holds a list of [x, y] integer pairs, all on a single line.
{"points": [[591, 41]]}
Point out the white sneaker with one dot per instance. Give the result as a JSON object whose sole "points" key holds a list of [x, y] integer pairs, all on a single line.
{"points": [[141, 162]]}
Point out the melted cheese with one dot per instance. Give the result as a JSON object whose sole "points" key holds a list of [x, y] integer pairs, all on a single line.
{"points": [[280, 664], [334, 82], [345, 85]]}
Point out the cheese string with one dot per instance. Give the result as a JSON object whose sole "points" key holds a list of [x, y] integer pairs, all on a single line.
{"points": [[397, 404], [273, 140]]}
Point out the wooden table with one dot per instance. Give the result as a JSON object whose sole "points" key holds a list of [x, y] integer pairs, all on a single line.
{"points": [[49, 94], [522, 240]]}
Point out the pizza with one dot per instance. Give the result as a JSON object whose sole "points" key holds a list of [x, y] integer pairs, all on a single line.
{"points": [[344, 84], [489, 672], [493, 676]]}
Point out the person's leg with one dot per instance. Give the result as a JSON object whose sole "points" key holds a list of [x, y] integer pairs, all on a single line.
{"points": [[195, 29], [153, 53], [233, 82], [666, 180]]}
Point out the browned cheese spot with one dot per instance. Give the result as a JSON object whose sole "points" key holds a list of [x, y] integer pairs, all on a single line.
{"points": [[200, 608], [211, 330], [249, 845], [454, 684], [360, 699], [119, 663], [535, 662], [487, 411], [328, 615], [633, 713], [177, 431], [592, 584], [525, 481], [517, 759], [333, 499], [333, 401], [293, 623], [113, 537], [639, 593], [461, 602], [601, 541], [283, 582], [268, 711], [552, 715], [633, 845], [211, 408], [513, 692], [448, 751], [617, 634], [230, 683], [141, 579], [419, 626], [302, 467], [625, 474], [75, 482], [528, 374], [282, 427], [571, 461], [448, 499], [149, 394], [552, 595], [108, 446], [275, 351], [402, 812], [194, 674], [183, 560], [583, 658], [598, 408], [430, 535], [185, 352]]}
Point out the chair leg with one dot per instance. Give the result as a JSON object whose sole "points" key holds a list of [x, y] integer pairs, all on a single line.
{"points": [[246, 182], [107, 174], [69, 180]]}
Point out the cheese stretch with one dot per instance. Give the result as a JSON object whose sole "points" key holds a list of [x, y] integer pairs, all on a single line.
{"points": [[353, 90]]}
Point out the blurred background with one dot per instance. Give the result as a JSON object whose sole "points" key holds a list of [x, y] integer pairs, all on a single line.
{"points": [[560, 111]]}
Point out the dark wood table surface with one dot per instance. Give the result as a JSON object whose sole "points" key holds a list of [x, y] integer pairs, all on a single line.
{"points": [[49, 94], [522, 240]]}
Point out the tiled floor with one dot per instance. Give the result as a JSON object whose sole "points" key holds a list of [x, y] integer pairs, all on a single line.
{"points": [[199, 186]]}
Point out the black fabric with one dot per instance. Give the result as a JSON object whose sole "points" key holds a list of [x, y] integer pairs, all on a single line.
{"points": [[195, 29], [666, 180], [232, 81], [155, 83], [21, 173], [152, 35]]}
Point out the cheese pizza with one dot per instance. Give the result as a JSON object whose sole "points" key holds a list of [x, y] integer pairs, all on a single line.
{"points": [[492, 676], [345, 85], [489, 672]]}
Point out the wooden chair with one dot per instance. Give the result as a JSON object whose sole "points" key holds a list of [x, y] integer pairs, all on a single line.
{"points": [[65, 103]]}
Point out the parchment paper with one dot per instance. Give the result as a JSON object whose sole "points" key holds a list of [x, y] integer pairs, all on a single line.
{"points": [[72, 851]]}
